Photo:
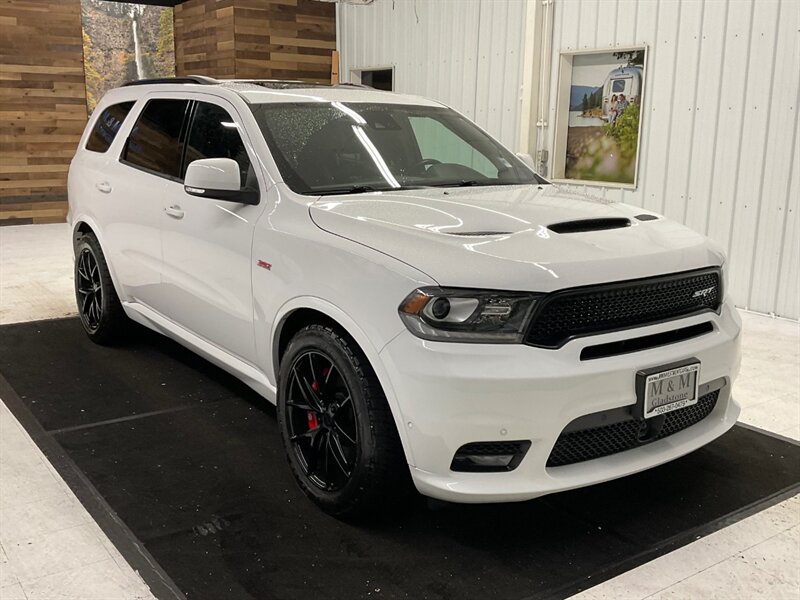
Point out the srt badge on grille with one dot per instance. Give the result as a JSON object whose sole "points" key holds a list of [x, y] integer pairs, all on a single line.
{"points": [[703, 293]]}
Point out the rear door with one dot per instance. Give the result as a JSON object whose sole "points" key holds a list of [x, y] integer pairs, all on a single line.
{"points": [[142, 181], [207, 243]]}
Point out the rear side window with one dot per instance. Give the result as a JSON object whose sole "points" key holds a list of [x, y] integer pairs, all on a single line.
{"points": [[107, 125], [214, 134], [155, 141]]}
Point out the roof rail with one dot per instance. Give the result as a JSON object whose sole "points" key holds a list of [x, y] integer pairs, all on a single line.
{"points": [[279, 84], [197, 79]]}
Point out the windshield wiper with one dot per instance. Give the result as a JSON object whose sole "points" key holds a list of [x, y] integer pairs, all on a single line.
{"points": [[362, 189], [474, 182]]}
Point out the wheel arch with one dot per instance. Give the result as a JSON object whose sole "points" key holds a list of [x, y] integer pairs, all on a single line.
{"points": [[300, 312], [84, 224]]}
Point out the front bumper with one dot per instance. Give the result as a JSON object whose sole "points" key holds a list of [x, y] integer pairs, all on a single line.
{"points": [[452, 394]]}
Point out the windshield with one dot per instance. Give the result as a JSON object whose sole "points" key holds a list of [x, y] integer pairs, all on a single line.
{"points": [[330, 148]]}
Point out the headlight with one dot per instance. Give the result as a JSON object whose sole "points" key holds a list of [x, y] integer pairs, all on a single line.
{"points": [[464, 315]]}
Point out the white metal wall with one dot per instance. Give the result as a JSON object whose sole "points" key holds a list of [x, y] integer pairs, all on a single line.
{"points": [[719, 147], [465, 53]]}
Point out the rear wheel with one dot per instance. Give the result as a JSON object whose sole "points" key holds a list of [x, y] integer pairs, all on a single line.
{"points": [[99, 307], [337, 429]]}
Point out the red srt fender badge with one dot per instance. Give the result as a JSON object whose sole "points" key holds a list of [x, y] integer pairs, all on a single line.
{"points": [[264, 265]]}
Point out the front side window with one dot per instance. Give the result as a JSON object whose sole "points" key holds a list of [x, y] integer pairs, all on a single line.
{"points": [[333, 147], [214, 134], [107, 125], [155, 141]]}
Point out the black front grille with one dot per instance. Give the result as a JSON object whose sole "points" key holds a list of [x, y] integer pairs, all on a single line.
{"points": [[563, 315], [586, 444]]}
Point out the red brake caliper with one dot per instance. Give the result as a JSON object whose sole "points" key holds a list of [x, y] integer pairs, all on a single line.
{"points": [[313, 423]]}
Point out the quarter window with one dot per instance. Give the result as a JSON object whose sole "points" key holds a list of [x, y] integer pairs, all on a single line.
{"points": [[155, 142], [107, 125], [214, 134]]}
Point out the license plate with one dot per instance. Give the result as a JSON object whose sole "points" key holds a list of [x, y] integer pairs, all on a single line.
{"points": [[666, 389]]}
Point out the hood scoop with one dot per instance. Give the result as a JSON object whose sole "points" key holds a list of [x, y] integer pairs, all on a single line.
{"points": [[584, 225]]}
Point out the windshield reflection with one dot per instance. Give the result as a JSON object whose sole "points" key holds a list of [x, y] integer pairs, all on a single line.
{"points": [[335, 147]]}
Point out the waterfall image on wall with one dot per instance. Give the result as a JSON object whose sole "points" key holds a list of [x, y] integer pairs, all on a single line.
{"points": [[122, 42]]}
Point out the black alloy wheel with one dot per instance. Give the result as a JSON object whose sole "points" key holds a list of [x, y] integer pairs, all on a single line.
{"points": [[90, 290], [99, 308], [321, 421], [338, 431]]}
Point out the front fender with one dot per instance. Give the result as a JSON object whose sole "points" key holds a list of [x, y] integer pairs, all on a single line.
{"points": [[371, 351]]}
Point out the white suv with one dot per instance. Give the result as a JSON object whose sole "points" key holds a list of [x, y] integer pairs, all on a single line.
{"points": [[405, 289]]}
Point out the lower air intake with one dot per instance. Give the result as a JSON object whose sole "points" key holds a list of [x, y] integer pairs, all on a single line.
{"points": [[596, 442], [487, 457]]}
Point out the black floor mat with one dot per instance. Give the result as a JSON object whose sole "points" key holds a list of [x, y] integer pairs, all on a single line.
{"points": [[191, 461]]}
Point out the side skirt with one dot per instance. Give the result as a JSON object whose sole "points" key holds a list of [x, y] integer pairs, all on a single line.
{"points": [[249, 374]]}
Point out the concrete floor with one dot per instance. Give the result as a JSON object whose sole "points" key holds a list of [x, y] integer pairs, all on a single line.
{"points": [[51, 548]]}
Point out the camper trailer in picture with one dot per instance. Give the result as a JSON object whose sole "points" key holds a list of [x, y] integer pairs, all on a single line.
{"points": [[622, 80]]}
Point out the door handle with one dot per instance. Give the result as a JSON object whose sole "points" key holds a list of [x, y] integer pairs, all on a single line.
{"points": [[174, 211], [103, 186]]}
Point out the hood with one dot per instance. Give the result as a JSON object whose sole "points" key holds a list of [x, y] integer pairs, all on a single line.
{"points": [[537, 238]]}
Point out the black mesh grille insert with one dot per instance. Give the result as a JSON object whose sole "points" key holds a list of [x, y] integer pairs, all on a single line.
{"points": [[586, 444], [602, 308]]}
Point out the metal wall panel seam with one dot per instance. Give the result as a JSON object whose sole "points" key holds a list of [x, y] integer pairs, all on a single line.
{"points": [[671, 109], [759, 196], [789, 251], [741, 127], [647, 112], [713, 170], [694, 113]]}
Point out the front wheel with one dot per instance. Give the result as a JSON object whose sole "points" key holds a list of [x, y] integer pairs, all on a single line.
{"points": [[337, 429], [99, 307]]}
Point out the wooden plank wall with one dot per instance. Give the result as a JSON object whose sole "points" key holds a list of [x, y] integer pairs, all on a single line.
{"points": [[43, 92], [267, 39], [42, 106], [285, 39], [204, 42]]}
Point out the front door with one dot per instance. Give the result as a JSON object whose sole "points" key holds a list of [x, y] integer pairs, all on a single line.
{"points": [[207, 243]]}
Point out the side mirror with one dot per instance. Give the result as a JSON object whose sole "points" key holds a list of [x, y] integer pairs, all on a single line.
{"points": [[527, 159], [219, 179]]}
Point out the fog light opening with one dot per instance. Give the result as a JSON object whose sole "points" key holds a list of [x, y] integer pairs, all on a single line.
{"points": [[487, 457]]}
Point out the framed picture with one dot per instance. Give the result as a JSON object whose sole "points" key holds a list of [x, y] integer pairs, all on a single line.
{"points": [[124, 41], [598, 116]]}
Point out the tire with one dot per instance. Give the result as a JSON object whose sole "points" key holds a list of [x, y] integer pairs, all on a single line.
{"points": [[366, 470], [99, 307]]}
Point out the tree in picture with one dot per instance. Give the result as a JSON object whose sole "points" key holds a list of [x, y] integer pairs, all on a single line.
{"points": [[603, 128]]}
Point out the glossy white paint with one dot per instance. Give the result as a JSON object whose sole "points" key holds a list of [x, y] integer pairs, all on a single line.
{"points": [[212, 173], [453, 394], [196, 277], [497, 238], [719, 145]]}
